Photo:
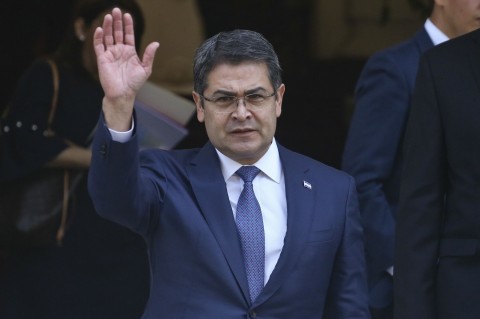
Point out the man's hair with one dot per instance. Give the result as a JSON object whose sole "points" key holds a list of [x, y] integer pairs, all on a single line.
{"points": [[234, 47]]}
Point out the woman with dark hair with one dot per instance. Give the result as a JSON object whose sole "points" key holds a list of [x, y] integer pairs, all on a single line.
{"points": [[101, 268]]}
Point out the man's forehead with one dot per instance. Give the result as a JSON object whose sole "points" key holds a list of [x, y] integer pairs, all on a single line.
{"points": [[245, 75]]}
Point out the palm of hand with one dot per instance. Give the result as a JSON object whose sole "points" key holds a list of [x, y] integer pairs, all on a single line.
{"points": [[121, 71]]}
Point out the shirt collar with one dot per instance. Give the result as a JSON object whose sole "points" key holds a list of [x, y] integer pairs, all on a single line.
{"points": [[435, 33], [269, 164]]}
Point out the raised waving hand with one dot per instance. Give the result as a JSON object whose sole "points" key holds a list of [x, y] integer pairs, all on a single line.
{"points": [[122, 73]]}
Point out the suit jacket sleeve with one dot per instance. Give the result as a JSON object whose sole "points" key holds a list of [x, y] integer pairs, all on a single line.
{"points": [[371, 151], [118, 190], [422, 192]]}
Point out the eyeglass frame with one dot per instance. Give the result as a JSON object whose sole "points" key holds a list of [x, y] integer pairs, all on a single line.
{"points": [[236, 101]]}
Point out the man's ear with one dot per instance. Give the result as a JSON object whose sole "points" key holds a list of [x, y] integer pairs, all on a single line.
{"points": [[279, 100], [80, 29], [198, 102]]}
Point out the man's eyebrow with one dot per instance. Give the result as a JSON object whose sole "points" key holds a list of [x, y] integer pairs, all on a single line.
{"points": [[255, 90], [224, 92], [231, 93]]}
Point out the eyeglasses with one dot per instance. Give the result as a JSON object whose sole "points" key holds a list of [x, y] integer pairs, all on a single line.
{"points": [[229, 103]]}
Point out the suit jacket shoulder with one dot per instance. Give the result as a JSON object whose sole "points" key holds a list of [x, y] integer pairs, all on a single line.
{"points": [[292, 158], [454, 50], [402, 58]]}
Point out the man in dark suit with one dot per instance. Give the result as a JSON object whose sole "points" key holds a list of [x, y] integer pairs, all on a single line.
{"points": [[188, 204], [372, 152], [437, 258]]}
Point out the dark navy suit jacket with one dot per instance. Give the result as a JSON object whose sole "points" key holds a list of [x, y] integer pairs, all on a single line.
{"points": [[372, 152], [177, 200], [437, 256]]}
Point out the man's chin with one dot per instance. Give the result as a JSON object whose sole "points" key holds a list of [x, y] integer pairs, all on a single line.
{"points": [[245, 153]]}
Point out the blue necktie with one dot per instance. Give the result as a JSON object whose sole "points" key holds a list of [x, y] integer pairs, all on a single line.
{"points": [[250, 230]]}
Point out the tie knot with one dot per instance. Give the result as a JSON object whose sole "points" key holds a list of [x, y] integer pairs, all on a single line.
{"points": [[248, 173]]}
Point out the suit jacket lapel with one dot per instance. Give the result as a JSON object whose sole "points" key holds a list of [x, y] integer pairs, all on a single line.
{"points": [[300, 201], [207, 182]]}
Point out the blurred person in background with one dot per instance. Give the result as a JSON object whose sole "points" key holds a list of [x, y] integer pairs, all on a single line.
{"points": [[372, 153], [437, 243], [101, 269]]}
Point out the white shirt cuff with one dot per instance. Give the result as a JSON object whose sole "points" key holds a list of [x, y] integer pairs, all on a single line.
{"points": [[122, 137]]}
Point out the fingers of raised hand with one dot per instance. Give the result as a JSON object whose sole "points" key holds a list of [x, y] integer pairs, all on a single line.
{"points": [[149, 55], [117, 29], [123, 31], [103, 34], [128, 29], [117, 26]]}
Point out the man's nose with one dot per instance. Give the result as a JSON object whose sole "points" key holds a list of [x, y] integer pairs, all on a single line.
{"points": [[241, 110], [243, 100]]}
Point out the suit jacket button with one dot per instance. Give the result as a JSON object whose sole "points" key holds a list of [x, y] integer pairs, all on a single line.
{"points": [[103, 150], [252, 314]]}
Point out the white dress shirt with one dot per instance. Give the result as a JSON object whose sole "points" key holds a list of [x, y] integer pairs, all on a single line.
{"points": [[435, 33], [269, 188]]}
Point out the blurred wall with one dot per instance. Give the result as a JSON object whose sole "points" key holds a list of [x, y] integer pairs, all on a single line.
{"points": [[357, 28], [177, 25]]}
